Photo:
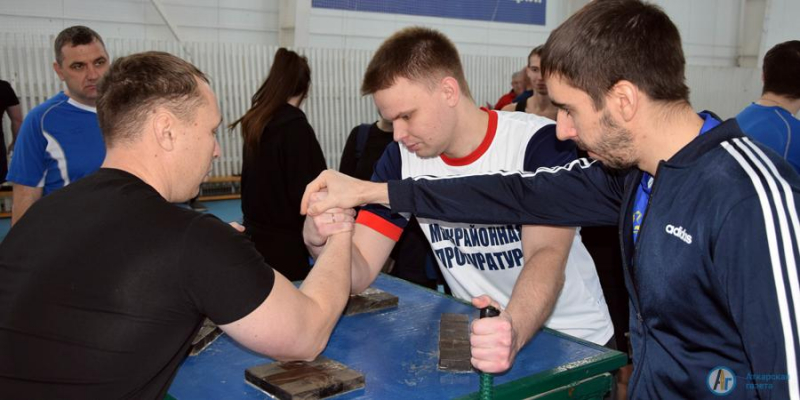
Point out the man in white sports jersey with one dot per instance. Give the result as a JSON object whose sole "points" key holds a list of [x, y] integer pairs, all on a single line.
{"points": [[538, 275]]}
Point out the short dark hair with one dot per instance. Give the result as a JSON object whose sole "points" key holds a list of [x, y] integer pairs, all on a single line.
{"points": [[537, 51], [782, 69], [136, 84], [418, 54], [612, 40], [75, 36]]}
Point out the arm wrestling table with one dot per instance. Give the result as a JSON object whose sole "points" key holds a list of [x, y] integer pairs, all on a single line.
{"points": [[397, 351]]}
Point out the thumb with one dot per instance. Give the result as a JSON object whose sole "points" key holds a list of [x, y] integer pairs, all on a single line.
{"points": [[320, 206], [237, 226], [315, 186], [481, 301]]}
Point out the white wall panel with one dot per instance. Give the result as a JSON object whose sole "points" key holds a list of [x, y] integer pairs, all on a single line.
{"points": [[103, 10], [183, 16], [189, 3], [33, 8], [701, 21], [723, 90], [156, 32], [250, 37], [782, 23], [708, 29], [246, 21], [17, 24], [726, 28], [255, 5]]}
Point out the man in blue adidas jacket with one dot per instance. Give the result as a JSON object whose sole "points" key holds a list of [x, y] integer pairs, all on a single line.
{"points": [[708, 219]]}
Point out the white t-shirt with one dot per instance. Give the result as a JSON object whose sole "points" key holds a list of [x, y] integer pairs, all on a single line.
{"points": [[487, 259]]}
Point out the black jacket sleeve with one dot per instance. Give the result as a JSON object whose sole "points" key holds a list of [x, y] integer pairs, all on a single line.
{"points": [[582, 193]]}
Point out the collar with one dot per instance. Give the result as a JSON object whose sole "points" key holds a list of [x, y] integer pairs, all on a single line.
{"points": [[81, 106], [491, 130], [704, 143]]}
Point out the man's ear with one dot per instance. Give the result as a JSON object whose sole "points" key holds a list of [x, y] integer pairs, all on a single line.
{"points": [[163, 125], [57, 68], [450, 90], [625, 97]]}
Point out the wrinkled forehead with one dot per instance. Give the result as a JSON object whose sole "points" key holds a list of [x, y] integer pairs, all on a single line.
{"points": [[83, 52]]}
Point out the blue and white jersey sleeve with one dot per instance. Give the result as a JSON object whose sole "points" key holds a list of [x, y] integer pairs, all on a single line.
{"points": [[28, 163], [581, 193], [376, 216]]}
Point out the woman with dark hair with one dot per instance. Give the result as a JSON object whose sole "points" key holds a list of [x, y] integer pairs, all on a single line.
{"points": [[281, 156]]}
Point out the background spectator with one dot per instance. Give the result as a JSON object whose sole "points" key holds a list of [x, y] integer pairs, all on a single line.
{"points": [[281, 156], [771, 119], [60, 140], [9, 103]]}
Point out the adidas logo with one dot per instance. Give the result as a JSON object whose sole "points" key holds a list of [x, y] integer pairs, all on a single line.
{"points": [[679, 233]]}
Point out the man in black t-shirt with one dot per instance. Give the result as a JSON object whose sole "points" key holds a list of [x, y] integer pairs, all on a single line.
{"points": [[103, 284]]}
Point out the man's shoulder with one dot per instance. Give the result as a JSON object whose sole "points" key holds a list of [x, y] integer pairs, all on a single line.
{"points": [[754, 116], [531, 132], [742, 168], [52, 103], [520, 123], [49, 108]]}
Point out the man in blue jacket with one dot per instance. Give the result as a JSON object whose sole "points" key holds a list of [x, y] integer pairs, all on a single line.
{"points": [[708, 220]]}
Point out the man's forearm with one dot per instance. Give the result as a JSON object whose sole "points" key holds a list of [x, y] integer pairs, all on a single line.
{"points": [[362, 274], [15, 130], [375, 193], [536, 292], [23, 198], [328, 283]]}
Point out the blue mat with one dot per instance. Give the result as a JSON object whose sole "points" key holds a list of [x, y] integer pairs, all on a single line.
{"points": [[226, 210], [5, 225]]}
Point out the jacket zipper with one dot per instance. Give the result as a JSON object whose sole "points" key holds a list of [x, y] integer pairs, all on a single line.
{"points": [[628, 266]]}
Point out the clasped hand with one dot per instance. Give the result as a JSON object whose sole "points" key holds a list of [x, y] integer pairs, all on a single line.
{"points": [[328, 222], [493, 341]]}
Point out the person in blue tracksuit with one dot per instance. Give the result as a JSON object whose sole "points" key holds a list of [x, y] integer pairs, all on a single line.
{"points": [[708, 218]]}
